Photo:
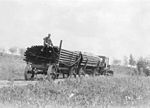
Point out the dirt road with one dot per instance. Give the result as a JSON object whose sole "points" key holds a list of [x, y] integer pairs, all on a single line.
{"points": [[22, 82], [5, 83]]}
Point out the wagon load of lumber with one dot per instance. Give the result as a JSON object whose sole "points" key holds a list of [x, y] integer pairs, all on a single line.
{"points": [[90, 60], [68, 58], [38, 55]]}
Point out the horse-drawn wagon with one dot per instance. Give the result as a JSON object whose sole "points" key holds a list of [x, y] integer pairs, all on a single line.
{"points": [[55, 61]]}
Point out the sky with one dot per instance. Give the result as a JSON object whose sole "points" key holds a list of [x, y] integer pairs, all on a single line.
{"points": [[114, 28]]}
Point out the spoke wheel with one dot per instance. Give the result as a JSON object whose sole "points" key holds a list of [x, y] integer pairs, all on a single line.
{"points": [[52, 72], [29, 73]]}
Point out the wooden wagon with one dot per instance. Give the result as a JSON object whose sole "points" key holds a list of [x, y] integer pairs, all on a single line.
{"points": [[58, 61]]}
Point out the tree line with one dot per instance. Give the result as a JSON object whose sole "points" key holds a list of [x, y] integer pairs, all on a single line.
{"points": [[142, 65], [13, 50]]}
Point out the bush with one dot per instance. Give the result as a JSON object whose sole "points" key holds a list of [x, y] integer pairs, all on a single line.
{"points": [[142, 66]]}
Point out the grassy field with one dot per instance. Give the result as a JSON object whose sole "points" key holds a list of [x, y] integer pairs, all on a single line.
{"points": [[91, 92], [11, 67], [122, 90]]}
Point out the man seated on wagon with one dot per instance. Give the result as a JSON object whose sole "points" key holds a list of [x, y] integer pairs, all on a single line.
{"points": [[47, 42]]}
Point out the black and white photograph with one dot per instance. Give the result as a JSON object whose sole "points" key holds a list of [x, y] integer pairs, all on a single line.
{"points": [[74, 53]]}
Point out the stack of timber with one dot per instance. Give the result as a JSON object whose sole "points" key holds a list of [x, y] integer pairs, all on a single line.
{"points": [[90, 61], [65, 57], [68, 58]]}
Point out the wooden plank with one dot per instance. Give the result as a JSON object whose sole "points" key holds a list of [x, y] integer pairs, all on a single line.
{"points": [[94, 65], [63, 50], [92, 61], [72, 55], [65, 54], [89, 60], [90, 57], [67, 57], [62, 59], [68, 52], [66, 60]]}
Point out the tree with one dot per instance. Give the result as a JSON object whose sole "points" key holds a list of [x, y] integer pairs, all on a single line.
{"points": [[141, 65], [13, 50], [132, 61]]}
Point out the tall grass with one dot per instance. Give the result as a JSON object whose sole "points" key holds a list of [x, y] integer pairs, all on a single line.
{"points": [[11, 67], [81, 92]]}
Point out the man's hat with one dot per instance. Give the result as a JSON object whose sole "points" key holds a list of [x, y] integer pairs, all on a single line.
{"points": [[49, 35]]}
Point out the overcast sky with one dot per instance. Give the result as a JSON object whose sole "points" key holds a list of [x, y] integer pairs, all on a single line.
{"points": [[106, 27]]}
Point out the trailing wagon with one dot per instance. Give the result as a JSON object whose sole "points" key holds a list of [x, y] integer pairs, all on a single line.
{"points": [[54, 62]]}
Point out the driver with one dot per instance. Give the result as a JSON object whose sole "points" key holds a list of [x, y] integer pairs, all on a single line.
{"points": [[47, 42]]}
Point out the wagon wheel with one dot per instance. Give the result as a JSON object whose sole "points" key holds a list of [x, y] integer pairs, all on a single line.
{"points": [[52, 72], [29, 73]]}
